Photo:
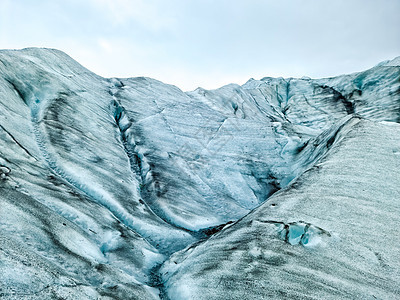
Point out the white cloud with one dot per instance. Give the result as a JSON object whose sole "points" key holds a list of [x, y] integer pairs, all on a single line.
{"points": [[105, 45], [148, 13]]}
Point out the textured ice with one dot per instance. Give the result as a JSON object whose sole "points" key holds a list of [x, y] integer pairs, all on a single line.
{"points": [[102, 180], [331, 234]]}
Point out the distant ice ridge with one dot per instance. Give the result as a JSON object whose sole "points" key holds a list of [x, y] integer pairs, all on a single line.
{"points": [[103, 179]]}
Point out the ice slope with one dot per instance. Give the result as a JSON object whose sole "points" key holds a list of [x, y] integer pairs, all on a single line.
{"points": [[238, 143], [331, 234], [72, 128], [101, 180], [59, 236]]}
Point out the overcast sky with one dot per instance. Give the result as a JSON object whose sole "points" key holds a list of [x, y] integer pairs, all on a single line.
{"points": [[208, 43]]}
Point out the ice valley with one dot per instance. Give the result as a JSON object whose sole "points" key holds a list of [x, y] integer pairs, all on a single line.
{"points": [[129, 188]]}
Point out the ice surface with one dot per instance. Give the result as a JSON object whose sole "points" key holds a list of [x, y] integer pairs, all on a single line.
{"points": [[101, 180], [330, 234]]}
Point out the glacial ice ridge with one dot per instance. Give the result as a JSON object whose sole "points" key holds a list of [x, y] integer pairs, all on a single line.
{"points": [[129, 188]]}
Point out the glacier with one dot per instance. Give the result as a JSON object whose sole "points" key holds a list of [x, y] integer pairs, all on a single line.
{"points": [[129, 188]]}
